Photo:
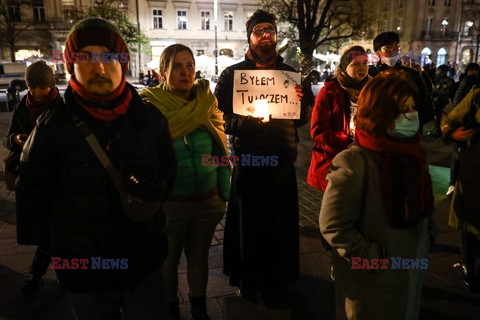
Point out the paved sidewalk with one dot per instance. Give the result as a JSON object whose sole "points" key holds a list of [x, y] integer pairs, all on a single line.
{"points": [[311, 296]]}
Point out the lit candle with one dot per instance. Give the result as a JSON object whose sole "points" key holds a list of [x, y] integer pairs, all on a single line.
{"points": [[261, 109]]}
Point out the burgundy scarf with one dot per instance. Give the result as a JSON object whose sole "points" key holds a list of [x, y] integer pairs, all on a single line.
{"points": [[269, 63], [104, 108], [36, 108], [406, 182]]}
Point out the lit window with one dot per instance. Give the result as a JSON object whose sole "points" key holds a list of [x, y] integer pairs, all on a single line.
{"points": [[384, 25], [467, 28], [205, 20], [429, 24], [182, 19], [38, 11], [157, 19], [228, 20]]}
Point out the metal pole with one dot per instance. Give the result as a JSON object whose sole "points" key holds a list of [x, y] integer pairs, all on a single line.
{"points": [[457, 64], [456, 49], [215, 11], [139, 67], [478, 43]]}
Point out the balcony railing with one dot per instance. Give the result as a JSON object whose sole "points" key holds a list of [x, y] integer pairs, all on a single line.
{"points": [[439, 35]]}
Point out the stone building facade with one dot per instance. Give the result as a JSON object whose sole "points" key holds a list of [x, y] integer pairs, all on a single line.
{"points": [[437, 31]]}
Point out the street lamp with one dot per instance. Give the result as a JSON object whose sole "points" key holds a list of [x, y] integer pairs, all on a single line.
{"points": [[444, 24], [215, 11]]}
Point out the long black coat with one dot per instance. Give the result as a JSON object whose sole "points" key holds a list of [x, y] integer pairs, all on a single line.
{"points": [[27, 225], [261, 241], [72, 191]]}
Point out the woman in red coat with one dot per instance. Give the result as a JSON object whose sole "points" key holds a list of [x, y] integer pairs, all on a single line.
{"points": [[332, 126]]}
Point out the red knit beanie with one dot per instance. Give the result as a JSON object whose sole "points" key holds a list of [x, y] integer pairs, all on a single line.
{"points": [[95, 32]]}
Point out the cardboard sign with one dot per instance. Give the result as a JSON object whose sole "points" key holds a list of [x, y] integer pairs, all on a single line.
{"points": [[275, 86]]}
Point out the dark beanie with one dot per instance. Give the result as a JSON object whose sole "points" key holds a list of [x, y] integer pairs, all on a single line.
{"points": [[257, 17], [385, 39], [39, 74], [95, 32]]}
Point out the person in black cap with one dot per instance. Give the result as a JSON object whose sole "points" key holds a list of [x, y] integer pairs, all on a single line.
{"points": [[387, 48], [109, 261], [42, 95], [261, 248]]}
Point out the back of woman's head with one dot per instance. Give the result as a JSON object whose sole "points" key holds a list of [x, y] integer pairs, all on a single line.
{"points": [[381, 100], [168, 55]]}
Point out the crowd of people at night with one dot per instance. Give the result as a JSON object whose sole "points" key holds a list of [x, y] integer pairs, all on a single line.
{"points": [[112, 185]]}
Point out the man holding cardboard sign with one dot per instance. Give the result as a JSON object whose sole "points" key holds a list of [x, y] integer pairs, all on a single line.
{"points": [[261, 248]]}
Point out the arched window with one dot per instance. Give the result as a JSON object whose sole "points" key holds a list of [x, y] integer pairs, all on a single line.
{"points": [[467, 56], [226, 52], [441, 56], [425, 57]]}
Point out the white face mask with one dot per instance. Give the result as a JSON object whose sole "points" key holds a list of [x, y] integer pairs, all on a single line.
{"points": [[390, 61], [406, 125]]}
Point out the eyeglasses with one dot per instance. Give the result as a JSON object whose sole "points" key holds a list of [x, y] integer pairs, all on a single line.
{"points": [[391, 47], [260, 31]]}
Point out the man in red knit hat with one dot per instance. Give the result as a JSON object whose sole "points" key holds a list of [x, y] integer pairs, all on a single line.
{"points": [[109, 262]]}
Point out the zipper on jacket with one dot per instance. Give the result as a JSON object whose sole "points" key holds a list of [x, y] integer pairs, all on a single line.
{"points": [[187, 146], [192, 158]]}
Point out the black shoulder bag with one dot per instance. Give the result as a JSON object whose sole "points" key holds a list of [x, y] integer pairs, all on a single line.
{"points": [[140, 199]]}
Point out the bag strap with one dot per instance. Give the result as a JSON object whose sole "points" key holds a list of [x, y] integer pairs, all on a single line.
{"points": [[92, 141]]}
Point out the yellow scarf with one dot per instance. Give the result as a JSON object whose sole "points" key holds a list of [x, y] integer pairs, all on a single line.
{"points": [[185, 116]]}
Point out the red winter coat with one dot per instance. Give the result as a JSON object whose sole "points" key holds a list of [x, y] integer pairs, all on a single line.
{"points": [[329, 129]]}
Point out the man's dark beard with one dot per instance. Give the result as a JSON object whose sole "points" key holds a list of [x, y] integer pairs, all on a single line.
{"points": [[264, 50]]}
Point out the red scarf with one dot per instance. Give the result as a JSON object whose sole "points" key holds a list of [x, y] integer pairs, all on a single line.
{"points": [[104, 108], [36, 108], [268, 64], [406, 182]]}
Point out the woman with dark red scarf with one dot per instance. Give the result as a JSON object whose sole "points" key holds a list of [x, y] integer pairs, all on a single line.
{"points": [[376, 210], [42, 95]]}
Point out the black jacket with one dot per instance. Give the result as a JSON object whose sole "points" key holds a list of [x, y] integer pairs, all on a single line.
{"points": [[27, 224], [71, 189], [276, 137], [424, 104], [465, 85], [20, 123]]}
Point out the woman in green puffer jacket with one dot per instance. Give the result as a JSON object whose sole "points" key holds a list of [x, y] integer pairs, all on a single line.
{"points": [[197, 201]]}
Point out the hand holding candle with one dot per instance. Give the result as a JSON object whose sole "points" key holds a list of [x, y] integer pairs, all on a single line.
{"points": [[261, 110]]}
